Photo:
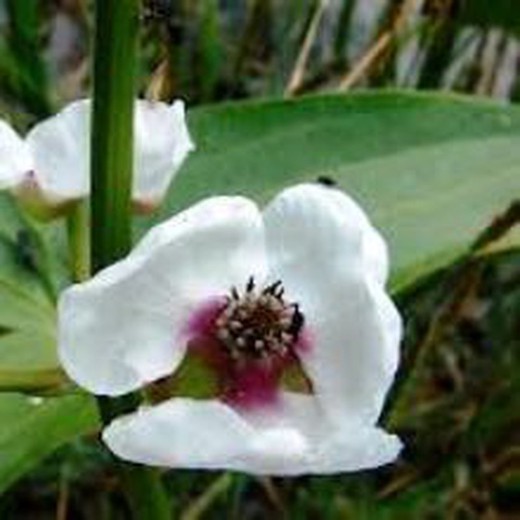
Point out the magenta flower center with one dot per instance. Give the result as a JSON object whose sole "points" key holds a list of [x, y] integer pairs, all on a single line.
{"points": [[258, 325], [249, 338]]}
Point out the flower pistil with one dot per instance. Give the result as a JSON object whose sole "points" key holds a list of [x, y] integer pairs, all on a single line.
{"points": [[258, 325]]}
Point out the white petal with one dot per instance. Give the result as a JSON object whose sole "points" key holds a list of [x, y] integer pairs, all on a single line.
{"points": [[356, 449], [317, 243], [332, 446], [373, 246], [60, 150], [186, 433], [162, 142], [180, 433], [124, 327], [15, 161]]}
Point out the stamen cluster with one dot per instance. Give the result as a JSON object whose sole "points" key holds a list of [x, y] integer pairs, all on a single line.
{"points": [[258, 324]]}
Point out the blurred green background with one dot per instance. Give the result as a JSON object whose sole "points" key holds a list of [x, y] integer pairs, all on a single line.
{"points": [[456, 400]]}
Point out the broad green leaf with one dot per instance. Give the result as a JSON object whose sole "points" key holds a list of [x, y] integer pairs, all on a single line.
{"points": [[431, 171]]}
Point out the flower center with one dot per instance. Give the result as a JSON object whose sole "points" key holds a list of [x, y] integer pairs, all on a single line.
{"points": [[258, 324], [251, 340]]}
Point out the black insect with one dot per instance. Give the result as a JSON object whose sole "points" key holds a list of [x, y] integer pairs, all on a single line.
{"points": [[326, 180], [298, 321]]}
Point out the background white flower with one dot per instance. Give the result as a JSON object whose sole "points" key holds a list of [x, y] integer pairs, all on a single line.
{"points": [[54, 158], [15, 161], [251, 294]]}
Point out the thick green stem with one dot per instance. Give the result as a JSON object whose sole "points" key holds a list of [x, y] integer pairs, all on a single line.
{"points": [[112, 139], [78, 231], [115, 65]]}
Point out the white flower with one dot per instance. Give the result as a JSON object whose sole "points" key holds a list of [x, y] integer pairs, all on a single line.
{"points": [[51, 165], [250, 294]]}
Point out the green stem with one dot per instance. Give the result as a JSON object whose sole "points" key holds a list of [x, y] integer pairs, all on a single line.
{"points": [[115, 70], [112, 139], [78, 231]]}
